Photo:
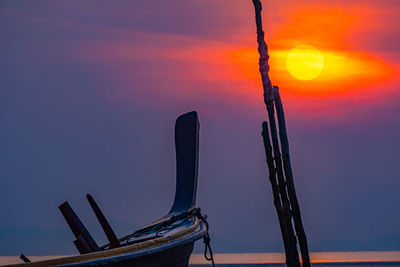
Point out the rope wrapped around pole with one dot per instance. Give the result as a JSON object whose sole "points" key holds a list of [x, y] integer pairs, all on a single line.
{"points": [[281, 176], [263, 51]]}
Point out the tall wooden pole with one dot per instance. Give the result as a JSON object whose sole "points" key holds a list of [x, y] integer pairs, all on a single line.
{"points": [[284, 216], [286, 203], [298, 224], [293, 257]]}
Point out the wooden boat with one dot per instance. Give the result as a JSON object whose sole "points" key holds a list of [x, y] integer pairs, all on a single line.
{"points": [[165, 242]]}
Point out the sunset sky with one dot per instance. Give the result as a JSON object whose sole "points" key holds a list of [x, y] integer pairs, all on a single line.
{"points": [[90, 92]]}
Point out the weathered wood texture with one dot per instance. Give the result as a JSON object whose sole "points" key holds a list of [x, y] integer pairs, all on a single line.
{"points": [[283, 215], [292, 257], [281, 176], [298, 224], [137, 252]]}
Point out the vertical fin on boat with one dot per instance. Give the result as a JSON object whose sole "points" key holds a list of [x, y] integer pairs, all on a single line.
{"points": [[112, 238], [187, 153], [84, 241]]}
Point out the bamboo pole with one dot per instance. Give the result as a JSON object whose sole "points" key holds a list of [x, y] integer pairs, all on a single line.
{"points": [[298, 224]]}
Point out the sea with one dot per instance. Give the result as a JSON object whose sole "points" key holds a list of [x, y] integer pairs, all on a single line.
{"points": [[320, 259]]}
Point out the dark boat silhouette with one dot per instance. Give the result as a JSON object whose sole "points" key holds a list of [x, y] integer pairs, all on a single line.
{"points": [[166, 242]]}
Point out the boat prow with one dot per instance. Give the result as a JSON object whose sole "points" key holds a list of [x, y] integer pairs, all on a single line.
{"points": [[166, 242]]}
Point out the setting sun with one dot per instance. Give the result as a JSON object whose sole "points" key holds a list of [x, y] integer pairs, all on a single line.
{"points": [[304, 62]]}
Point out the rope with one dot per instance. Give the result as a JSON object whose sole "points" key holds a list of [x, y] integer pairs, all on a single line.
{"points": [[208, 254], [168, 225], [153, 228]]}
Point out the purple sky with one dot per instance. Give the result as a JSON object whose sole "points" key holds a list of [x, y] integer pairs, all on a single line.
{"points": [[89, 96]]}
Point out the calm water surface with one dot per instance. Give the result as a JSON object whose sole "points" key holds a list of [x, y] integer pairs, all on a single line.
{"points": [[376, 264], [320, 259]]}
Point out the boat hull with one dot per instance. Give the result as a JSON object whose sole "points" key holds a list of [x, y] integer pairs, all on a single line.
{"points": [[173, 257], [173, 249]]}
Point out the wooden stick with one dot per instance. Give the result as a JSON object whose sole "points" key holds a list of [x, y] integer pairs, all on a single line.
{"points": [[285, 187], [275, 191], [112, 238], [298, 224], [263, 52], [24, 258], [292, 257]]}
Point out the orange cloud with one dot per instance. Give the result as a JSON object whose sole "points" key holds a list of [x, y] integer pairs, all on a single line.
{"points": [[198, 67], [328, 29]]}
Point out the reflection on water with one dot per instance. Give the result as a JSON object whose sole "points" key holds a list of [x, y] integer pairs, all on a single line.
{"points": [[355, 264], [320, 259]]}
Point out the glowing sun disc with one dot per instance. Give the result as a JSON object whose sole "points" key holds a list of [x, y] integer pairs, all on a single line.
{"points": [[304, 62]]}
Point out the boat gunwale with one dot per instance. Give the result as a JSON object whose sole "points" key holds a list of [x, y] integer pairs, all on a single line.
{"points": [[196, 231]]}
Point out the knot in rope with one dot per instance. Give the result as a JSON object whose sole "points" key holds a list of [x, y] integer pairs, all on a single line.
{"points": [[208, 254]]}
